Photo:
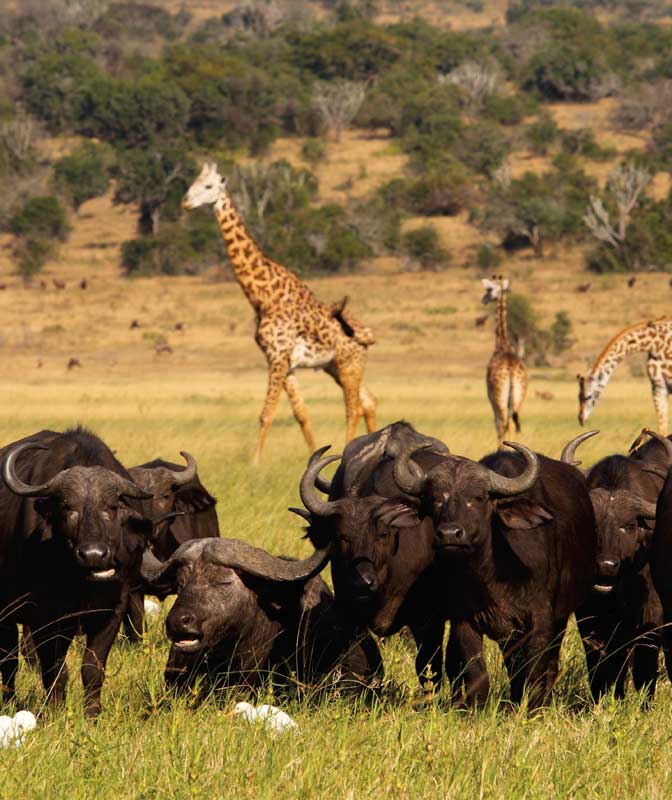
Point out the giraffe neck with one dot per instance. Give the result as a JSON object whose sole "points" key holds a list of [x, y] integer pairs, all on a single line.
{"points": [[252, 269], [501, 324], [639, 338]]}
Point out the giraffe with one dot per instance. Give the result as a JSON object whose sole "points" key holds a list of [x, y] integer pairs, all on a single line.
{"points": [[653, 337], [506, 377], [293, 328]]}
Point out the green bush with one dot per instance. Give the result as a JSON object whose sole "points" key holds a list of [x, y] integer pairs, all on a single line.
{"points": [[539, 342], [42, 217], [83, 174], [32, 252], [313, 151], [488, 257], [564, 71], [507, 109], [483, 147], [436, 193], [424, 246], [540, 135]]}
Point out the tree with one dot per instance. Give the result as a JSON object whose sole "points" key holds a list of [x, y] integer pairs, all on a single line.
{"points": [[38, 226], [156, 179], [338, 103], [624, 187], [83, 174]]}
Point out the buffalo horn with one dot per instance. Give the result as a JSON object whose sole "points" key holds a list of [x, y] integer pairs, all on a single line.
{"points": [[307, 491], [660, 472], [646, 508], [14, 483], [187, 474], [408, 476], [322, 484], [126, 488], [240, 555], [666, 443], [569, 450], [152, 570], [510, 486]]}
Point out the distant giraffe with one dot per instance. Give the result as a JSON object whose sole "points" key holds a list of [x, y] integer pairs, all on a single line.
{"points": [[505, 377], [653, 337], [293, 328]]}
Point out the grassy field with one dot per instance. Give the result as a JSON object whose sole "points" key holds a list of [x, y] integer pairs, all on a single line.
{"points": [[145, 746]]}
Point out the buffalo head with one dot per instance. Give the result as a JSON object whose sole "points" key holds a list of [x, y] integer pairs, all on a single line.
{"points": [[461, 496], [622, 538], [373, 564], [87, 508], [219, 583]]}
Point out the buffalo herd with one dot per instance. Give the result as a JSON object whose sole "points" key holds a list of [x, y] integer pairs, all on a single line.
{"points": [[508, 547]]}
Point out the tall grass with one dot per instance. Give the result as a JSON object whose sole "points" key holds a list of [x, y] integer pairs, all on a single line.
{"points": [[400, 745]]}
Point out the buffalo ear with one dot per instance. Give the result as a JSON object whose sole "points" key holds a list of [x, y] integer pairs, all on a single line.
{"points": [[141, 525], [521, 513], [192, 498], [397, 514]]}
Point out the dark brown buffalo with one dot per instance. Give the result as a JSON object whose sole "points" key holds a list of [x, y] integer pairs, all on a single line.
{"points": [[242, 614], [382, 561], [516, 537], [621, 619], [71, 542], [186, 510]]}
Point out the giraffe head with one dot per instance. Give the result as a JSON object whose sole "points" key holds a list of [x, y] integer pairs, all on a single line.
{"points": [[588, 396], [207, 189], [494, 288]]}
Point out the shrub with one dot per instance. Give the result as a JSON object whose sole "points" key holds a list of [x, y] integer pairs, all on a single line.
{"points": [[32, 253], [436, 193], [506, 109], [540, 135], [538, 342], [313, 152], [83, 174], [482, 147], [565, 71], [424, 246], [42, 217], [487, 257]]}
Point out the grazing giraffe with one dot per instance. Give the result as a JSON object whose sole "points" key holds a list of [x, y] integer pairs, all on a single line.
{"points": [[653, 337], [506, 377], [293, 328]]}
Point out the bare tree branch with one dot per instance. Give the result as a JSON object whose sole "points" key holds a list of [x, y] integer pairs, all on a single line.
{"points": [[625, 186], [338, 103]]}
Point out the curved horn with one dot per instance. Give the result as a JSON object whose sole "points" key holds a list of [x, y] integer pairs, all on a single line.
{"points": [[307, 491], [569, 450], [322, 484], [646, 508], [660, 472], [408, 476], [241, 555], [510, 486], [152, 570], [126, 488], [185, 475], [14, 483], [666, 443]]}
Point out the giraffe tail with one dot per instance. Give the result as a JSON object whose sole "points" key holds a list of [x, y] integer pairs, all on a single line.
{"points": [[516, 421]]}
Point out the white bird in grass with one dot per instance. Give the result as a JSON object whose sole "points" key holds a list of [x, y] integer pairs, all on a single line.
{"points": [[272, 717]]}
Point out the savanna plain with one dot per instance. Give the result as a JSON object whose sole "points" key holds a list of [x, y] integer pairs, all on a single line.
{"points": [[205, 396]]}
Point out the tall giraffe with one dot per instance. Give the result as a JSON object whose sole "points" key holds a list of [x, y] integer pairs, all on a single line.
{"points": [[506, 377], [293, 328], [653, 337]]}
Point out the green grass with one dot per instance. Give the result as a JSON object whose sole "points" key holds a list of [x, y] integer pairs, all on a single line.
{"points": [[146, 745]]}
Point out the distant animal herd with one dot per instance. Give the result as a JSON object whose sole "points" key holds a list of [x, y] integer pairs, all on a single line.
{"points": [[508, 547]]}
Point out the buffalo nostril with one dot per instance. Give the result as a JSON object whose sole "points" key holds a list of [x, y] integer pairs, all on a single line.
{"points": [[93, 553], [186, 619]]}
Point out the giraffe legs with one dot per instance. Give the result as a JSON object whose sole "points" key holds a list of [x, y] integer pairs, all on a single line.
{"points": [[348, 375], [277, 375], [659, 384], [299, 409], [368, 408], [498, 394]]}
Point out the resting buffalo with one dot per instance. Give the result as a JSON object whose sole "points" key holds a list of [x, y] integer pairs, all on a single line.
{"points": [[186, 510], [242, 614], [71, 542], [516, 537], [382, 559], [620, 621]]}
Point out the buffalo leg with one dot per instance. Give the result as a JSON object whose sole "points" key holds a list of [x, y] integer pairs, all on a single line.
{"points": [[604, 669], [9, 658], [532, 664], [428, 637], [465, 665], [100, 635], [51, 643], [28, 650], [645, 668], [134, 619]]}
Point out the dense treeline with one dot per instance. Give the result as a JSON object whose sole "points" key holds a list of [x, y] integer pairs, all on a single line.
{"points": [[150, 92]]}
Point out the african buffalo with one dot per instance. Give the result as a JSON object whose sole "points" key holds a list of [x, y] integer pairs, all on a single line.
{"points": [[620, 621], [515, 535], [71, 542], [382, 561], [242, 614], [186, 510]]}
